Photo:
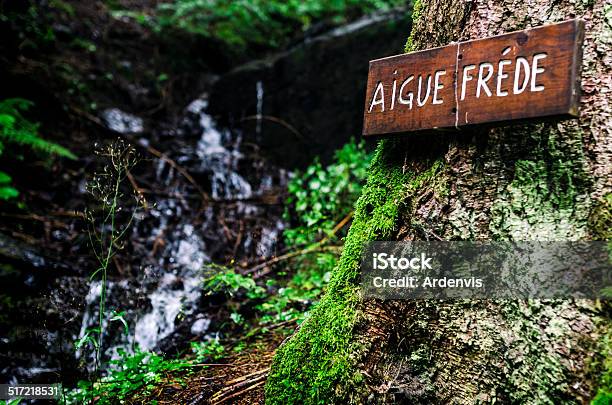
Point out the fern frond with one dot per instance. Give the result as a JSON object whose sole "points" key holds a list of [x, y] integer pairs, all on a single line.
{"points": [[8, 192], [16, 129], [32, 140]]}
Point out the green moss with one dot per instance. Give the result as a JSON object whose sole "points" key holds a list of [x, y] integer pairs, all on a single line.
{"points": [[547, 199], [548, 196], [318, 363], [603, 398], [600, 219], [536, 371], [605, 35], [604, 393], [416, 12]]}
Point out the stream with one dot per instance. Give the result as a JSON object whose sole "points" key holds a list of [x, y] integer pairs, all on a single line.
{"points": [[186, 238]]}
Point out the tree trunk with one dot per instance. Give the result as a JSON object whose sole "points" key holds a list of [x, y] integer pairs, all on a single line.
{"points": [[548, 181]]}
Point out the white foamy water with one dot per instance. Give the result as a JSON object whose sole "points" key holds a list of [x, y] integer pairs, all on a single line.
{"points": [[121, 121], [172, 285], [214, 156]]}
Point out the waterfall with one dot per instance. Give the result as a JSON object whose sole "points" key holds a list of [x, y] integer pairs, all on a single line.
{"points": [[172, 283]]}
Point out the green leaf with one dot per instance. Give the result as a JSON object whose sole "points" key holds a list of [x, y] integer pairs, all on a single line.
{"points": [[16, 129], [120, 316], [7, 120], [7, 193], [237, 318], [4, 178]]}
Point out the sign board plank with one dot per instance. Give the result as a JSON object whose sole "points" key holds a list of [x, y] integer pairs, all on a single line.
{"points": [[516, 76]]}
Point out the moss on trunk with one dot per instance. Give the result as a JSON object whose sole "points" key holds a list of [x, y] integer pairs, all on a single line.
{"points": [[319, 362]]}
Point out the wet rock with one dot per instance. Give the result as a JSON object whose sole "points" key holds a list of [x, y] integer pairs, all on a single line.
{"points": [[200, 326], [40, 314], [12, 250], [190, 329], [121, 121], [309, 100]]}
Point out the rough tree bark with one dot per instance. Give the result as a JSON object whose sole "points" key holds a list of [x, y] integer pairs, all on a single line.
{"points": [[550, 181]]}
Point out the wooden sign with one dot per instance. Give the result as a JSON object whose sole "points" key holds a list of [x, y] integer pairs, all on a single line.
{"points": [[520, 75]]}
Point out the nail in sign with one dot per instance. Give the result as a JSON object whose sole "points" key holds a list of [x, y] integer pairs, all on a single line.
{"points": [[517, 76]]}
